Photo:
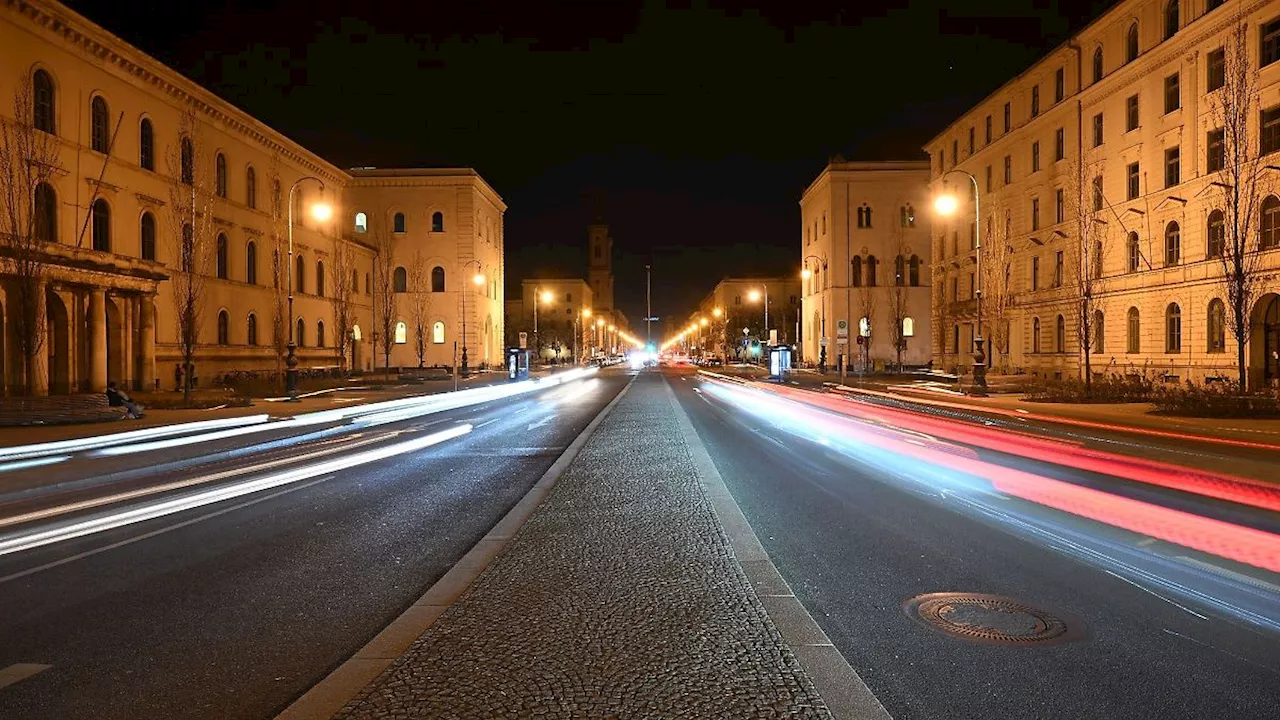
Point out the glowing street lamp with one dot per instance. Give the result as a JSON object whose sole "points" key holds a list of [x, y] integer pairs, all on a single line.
{"points": [[321, 211], [946, 205]]}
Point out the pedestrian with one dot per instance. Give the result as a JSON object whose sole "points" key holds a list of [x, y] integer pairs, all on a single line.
{"points": [[119, 398]]}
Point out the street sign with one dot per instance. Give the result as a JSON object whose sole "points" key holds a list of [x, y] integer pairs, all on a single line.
{"points": [[842, 341], [842, 328], [773, 337], [524, 340], [860, 339], [652, 319]]}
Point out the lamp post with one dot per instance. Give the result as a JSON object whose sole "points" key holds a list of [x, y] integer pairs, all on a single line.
{"points": [[580, 334], [805, 274], [611, 340], [477, 280], [538, 297], [946, 205], [320, 211], [720, 314], [754, 296]]}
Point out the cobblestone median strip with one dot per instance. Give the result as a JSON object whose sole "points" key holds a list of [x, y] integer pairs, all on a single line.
{"points": [[619, 597]]}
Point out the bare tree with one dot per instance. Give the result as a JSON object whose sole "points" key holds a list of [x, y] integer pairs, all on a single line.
{"points": [[866, 293], [897, 296], [279, 241], [1085, 257], [190, 232], [419, 281], [345, 285], [384, 294], [943, 314], [1241, 185], [28, 161], [997, 292]]}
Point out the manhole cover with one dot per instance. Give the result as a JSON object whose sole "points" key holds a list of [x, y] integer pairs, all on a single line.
{"points": [[991, 619]]}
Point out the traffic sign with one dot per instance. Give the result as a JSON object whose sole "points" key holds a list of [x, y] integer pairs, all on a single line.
{"points": [[842, 328], [524, 340]]}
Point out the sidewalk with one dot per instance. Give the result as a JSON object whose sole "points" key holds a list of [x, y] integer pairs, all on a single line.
{"points": [[622, 595]]}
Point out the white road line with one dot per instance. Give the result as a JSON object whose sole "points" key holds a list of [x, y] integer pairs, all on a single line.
{"points": [[19, 672], [1156, 594], [486, 422], [540, 423]]}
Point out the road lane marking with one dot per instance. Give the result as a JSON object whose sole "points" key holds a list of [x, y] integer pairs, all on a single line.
{"points": [[540, 423], [486, 422], [161, 508], [19, 672], [1156, 594]]}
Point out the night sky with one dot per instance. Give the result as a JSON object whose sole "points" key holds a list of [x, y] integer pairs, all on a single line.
{"points": [[700, 122]]}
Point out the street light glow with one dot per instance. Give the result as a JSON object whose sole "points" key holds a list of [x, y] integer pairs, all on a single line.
{"points": [[586, 312], [322, 211], [946, 204], [806, 273], [754, 296], [546, 297], [600, 322], [703, 322], [717, 312], [478, 279]]}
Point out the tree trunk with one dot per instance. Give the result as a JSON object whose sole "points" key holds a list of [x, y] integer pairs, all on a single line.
{"points": [[1243, 337]]}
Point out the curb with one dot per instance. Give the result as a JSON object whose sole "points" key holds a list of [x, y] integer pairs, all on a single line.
{"points": [[846, 696], [331, 694]]}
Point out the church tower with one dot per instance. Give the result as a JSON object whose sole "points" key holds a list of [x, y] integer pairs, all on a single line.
{"points": [[600, 259]]}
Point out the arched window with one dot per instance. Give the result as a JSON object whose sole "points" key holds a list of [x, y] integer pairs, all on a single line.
{"points": [[1172, 244], [399, 280], [146, 145], [1131, 44], [355, 332], [148, 240], [251, 263], [1035, 335], [857, 272], [46, 219], [864, 326], [99, 124], [1097, 259], [1173, 328], [402, 333], [1097, 64], [1217, 326], [437, 332], [871, 268], [319, 333], [899, 271], [300, 276], [1060, 335], [251, 188], [908, 327], [221, 256], [397, 222], [188, 161], [1099, 331], [437, 279], [1269, 225], [914, 270], [1133, 332], [220, 174], [300, 333], [1171, 19], [251, 330], [1134, 252], [1216, 233], [188, 251], [101, 225], [362, 222], [42, 101], [437, 221], [320, 278], [224, 328]]}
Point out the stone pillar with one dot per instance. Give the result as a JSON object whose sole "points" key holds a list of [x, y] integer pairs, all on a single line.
{"points": [[97, 340], [126, 305], [147, 341], [38, 366]]}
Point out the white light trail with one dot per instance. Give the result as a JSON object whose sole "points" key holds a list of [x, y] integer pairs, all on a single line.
{"points": [[98, 441]]}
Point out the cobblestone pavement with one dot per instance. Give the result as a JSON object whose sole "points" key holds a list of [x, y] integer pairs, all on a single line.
{"points": [[619, 598]]}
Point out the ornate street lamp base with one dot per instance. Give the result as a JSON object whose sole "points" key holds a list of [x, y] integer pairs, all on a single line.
{"points": [[465, 370], [979, 388], [291, 373]]}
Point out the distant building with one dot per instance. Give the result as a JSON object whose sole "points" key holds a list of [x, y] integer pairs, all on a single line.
{"points": [[864, 241], [734, 315]]}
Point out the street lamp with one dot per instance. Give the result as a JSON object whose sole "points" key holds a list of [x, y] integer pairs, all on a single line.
{"points": [[478, 280], [946, 205], [754, 296], [544, 297], [321, 211], [806, 273], [579, 333]]}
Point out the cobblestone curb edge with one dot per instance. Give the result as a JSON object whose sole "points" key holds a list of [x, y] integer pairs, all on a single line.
{"points": [[329, 695], [847, 697]]}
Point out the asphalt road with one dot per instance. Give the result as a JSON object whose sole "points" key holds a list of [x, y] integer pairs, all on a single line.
{"points": [[233, 609], [857, 535]]}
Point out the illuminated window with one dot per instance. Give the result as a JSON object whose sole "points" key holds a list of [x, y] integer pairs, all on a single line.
{"points": [[908, 327], [355, 332], [362, 222], [437, 333], [402, 333]]}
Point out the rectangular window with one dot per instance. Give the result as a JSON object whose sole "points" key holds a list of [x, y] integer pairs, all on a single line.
{"points": [[1270, 135], [1035, 101], [1008, 169], [1215, 150], [1035, 156], [955, 289], [1059, 145], [1059, 85], [971, 135], [1131, 113], [1035, 213], [942, 160], [1059, 206], [1035, 273], [988, 178], [988, 141], [1269, 48], [1098, 198], [1216, 69], [1132, 183], [1172, 169], [1057, 269], [955, 152], [1172, 94], [1097, 130], [1008, 118]]}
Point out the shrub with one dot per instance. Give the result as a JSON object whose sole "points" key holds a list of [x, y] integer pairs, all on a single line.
{"points": [[200, 399], [1215, 400], [1114, 388]]}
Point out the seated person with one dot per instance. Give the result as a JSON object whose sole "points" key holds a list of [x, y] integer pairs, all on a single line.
{"points": [[118, 398]]}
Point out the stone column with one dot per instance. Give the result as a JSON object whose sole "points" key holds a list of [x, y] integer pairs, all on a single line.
{"points": [[147, 341], [97, 340], [126, 305], [38, 366]]}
